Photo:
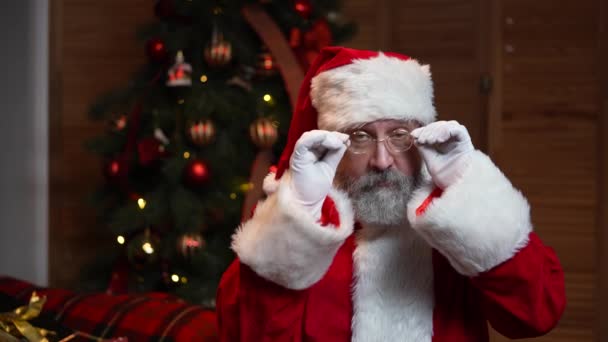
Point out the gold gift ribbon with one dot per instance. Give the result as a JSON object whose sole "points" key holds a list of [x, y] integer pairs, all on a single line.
{"points": [[15, 324]]}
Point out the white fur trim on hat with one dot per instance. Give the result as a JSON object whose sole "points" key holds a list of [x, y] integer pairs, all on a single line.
{"points": [[283, 243], [477, 223], [373, 89]]}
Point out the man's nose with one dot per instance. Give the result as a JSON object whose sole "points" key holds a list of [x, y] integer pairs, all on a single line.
{"points": [[381, 158]]}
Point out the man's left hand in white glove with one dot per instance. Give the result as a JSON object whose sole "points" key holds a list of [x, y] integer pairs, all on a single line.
{"points": [[445, 147]]}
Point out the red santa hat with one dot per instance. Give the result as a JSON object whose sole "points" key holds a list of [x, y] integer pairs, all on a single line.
{"points": [[346, 88]]}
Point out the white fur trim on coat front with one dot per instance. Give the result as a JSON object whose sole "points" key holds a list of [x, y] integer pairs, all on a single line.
{"points": [[393, 293], [372, 89], [283, 243], [477, 223]]}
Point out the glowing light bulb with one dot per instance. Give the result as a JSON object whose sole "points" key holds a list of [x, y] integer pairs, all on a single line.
{"points": [[147, 247], [246, 187], [175, 278], [141, 203], [120, 239]]}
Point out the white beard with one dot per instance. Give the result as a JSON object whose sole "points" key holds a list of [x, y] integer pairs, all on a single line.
{"points": [[392, 265], [377, 205]]}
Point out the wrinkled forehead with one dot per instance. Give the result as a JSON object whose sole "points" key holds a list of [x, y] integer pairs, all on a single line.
{"points": [[385, 125]]}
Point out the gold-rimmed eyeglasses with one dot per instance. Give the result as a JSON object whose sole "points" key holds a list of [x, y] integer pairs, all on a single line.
{"points": [[399, 140]]}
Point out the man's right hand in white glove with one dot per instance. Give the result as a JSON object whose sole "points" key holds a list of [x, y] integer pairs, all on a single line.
{"points": [[313, 166]]}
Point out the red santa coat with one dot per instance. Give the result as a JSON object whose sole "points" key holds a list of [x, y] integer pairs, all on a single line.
{"points": [[468, 257]]}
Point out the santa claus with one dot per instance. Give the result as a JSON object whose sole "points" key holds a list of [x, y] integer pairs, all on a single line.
{"points": [[382, 224]]}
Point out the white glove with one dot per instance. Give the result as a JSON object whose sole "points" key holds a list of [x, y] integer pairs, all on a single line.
{"points": [[445, 147], [313, 166]]}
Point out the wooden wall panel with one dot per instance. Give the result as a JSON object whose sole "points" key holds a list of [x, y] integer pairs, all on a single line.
{"points": [[443, 34], [550, 140], [93, 49], [601, 318], [369, 17]]}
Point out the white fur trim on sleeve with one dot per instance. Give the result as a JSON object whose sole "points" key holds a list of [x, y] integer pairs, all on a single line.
{"points": [[377, 88], [477, 223], [283, 243]]}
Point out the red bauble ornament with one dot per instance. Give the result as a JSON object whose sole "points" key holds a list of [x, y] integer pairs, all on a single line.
{"points": [[266, 66], [264, 132], [201, 132], [157, 50], [303, 8], [196, 173], [218, 52], [115, 170], [190, 245]]}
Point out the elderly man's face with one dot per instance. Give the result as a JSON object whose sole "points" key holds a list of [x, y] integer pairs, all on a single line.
{"points": [[380, 157], [380, 178]]}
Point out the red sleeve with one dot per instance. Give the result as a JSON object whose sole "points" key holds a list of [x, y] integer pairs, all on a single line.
{"points": [[425, 204], [329, 213], [524, 296], [251, 308]]}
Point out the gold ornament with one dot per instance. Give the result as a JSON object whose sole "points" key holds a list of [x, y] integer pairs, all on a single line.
{"points": [[263, 132], [188, 245], [201, 132], [218, 52]]}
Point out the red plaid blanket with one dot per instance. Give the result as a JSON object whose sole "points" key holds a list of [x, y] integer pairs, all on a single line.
{"points": [[146, 317]]}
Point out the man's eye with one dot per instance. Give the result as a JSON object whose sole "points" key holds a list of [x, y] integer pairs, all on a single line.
{"points": [[400, 134], [360, 137]]}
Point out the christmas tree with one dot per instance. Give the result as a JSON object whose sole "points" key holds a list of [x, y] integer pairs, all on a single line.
{"points": [[186, 135]]}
